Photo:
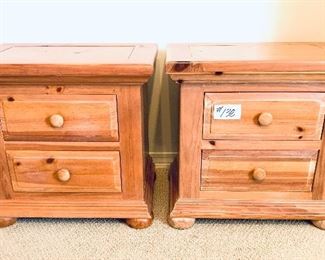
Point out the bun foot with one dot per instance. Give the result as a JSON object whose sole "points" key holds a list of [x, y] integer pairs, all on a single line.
{"points": [[139, 223], [181, 223], [319, 223], [5, 222]]}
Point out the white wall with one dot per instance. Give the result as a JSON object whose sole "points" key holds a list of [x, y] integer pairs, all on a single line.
{"points": [[162, 21]]}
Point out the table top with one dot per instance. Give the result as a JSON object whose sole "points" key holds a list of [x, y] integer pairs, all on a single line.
{"points": [[245, 57], [77, 59]]}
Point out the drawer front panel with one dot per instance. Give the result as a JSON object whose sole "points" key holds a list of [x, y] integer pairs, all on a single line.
{"points": [[65, 171], [271, 116], [258, 170], [63, 118]]}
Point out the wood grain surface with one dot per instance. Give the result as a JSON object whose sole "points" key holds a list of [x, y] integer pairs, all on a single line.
{"points": [[249, 57], [265, 160], [233, 170], [72, 132], [91, 171], [77, 60], [295, 116], [84, 117]]}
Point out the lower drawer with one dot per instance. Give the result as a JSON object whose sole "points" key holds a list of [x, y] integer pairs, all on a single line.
{"points": [[65, 171], [258, 170]]}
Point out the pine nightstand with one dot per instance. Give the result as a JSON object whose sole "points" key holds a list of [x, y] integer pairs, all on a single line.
{"points": [[251, 132], [73, 133]]}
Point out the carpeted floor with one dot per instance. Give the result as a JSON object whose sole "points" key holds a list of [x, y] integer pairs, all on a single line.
{"points": [[208, 239]]}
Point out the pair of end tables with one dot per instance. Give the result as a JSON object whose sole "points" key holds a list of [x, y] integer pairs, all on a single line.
{"points": [[74, 136]]}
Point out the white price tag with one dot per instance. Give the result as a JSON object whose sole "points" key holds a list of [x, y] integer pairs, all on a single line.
{"points": [[227, 111]]}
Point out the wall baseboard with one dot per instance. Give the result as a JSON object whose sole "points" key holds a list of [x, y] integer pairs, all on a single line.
{"points": [[163, 160]]}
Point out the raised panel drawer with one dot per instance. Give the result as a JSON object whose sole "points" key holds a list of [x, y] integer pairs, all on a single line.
{"points": [[267, 116], [60, 118], [65, 171], [258, 170]]}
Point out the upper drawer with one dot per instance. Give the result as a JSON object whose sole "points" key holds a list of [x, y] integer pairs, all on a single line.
{"points": [[65, 171], [60, 118], [272, 116]]}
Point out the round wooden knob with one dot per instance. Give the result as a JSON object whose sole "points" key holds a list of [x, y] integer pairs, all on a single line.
{"points": [[63, 175], [259, 174], [56, 120], [265, 119]]}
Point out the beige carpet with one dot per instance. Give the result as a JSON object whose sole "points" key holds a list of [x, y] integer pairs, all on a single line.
{"points": [[208, 239]]}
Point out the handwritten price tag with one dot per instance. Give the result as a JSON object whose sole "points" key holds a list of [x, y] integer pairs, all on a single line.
{"points": [[227, 112]]}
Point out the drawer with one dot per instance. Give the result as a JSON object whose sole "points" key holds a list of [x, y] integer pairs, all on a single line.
{"points": [[65, 171], [60, 118], [268, 116], [258, 170]]}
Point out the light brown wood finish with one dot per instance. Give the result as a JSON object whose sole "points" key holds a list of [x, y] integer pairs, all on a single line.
{"points": [[139, 223], [85, 208], [181, 223], [150, 178], [72, 132], [5, 181], [190, 141], [259, 145], [57, 146], [269, 162], [319, 223], [78, 117], [273, 116], [310, 79], [319, 182], [133, 158], [6, 222], [47, 171], [258, 170], [83, 205], [249, 57], [250, 209], [256, 195], [78, 60]]}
